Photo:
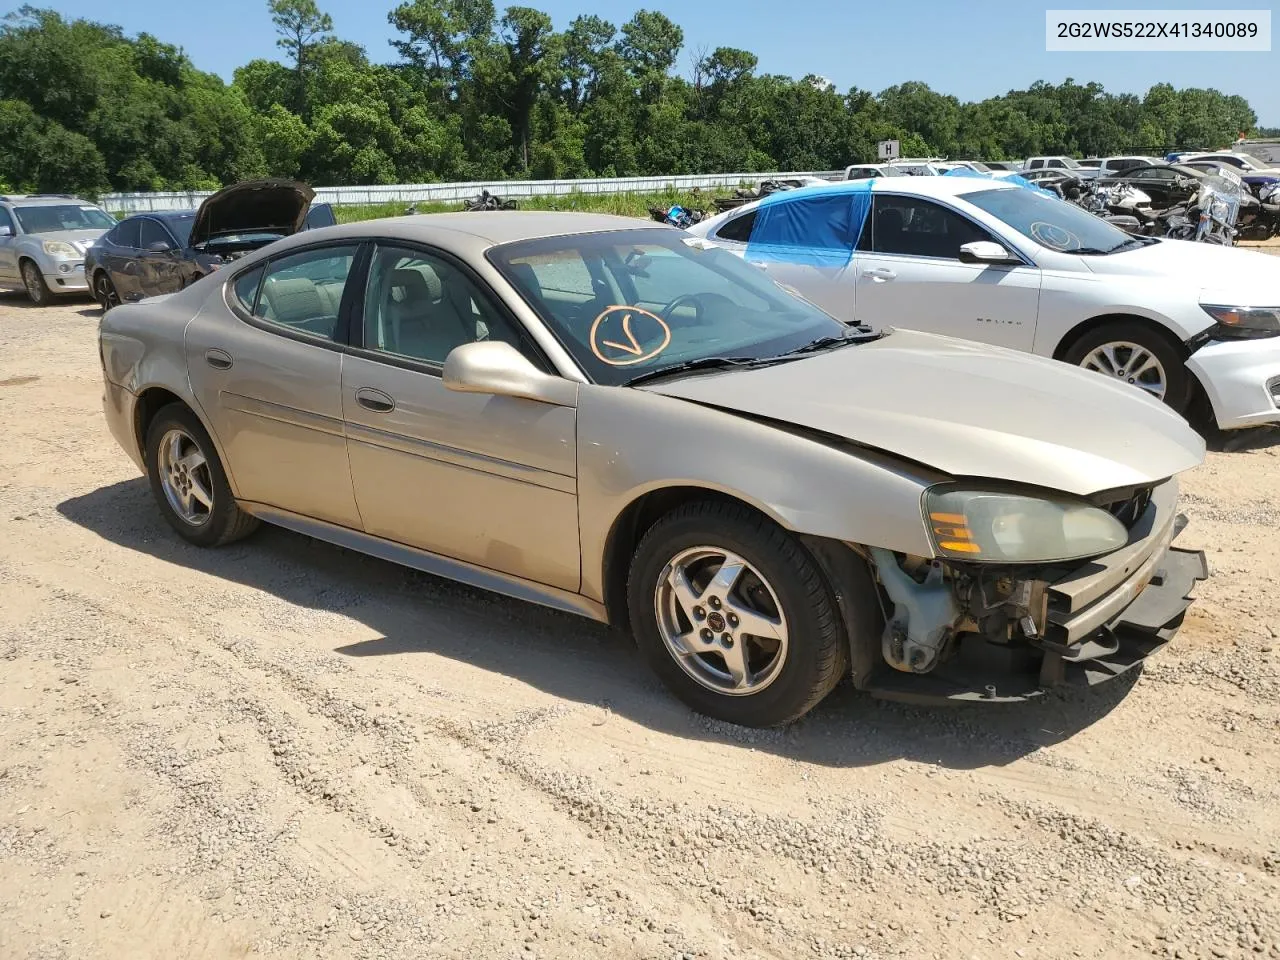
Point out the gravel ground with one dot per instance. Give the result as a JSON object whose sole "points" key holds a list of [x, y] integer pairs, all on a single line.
{"points": [[282, 748]]}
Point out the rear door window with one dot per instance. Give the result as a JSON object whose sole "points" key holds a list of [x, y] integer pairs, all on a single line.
{"points": [[126, 235]]}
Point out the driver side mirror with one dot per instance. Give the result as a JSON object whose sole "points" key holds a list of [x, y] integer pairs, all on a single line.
{"points": [[6, 230], [495, 367], [159, 246], [986, 251]]}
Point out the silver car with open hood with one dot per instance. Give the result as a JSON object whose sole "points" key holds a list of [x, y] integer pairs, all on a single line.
{"points": [[625, 422]]}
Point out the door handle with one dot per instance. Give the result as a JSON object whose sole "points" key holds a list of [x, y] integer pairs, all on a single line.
{"points": [[374, 400], [218, 359], [880, 274]]}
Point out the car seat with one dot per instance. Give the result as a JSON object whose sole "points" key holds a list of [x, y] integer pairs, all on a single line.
{"points": [[417, 321]]}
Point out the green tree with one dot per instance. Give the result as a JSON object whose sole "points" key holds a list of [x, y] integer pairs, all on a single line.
{"points": [[301, 25]]}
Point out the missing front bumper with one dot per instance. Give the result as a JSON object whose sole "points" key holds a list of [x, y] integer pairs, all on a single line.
{"points": [[995, 673]]}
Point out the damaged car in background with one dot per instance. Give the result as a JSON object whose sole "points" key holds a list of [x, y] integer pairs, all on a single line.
{"points": [[154, 253], [622, 421]]}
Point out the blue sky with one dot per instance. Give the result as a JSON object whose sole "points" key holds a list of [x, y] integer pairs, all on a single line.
{"points": [[969, 48]]}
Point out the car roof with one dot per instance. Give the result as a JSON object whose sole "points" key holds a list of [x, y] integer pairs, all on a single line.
{"points": [[475, 232], [161, 215], [38, 200], [944, 186]]}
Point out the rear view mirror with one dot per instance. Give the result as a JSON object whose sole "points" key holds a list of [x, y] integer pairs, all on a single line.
{"points": [[986, 251], [491, 366]]}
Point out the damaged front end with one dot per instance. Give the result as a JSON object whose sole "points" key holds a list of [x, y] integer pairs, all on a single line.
{"points": [[958, 629]]}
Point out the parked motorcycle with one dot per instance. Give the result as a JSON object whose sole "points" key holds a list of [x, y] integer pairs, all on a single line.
{"points": [[1215, 209], [677, 216], [1260, 216], [488, 201]]}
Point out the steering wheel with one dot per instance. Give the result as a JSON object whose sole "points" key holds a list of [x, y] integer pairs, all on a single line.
{"points": [[700, 301], [691, 298]]}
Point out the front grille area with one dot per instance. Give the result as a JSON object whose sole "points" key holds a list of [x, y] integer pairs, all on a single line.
{"points": [[1128, 509], [1273, 388]]}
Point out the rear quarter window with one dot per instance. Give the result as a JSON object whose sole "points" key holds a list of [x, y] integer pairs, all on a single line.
{"points": [[738, 230], [244, 289]]}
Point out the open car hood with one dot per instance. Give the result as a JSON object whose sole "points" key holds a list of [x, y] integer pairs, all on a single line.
{"points": [[966, 409], [254, 206]]}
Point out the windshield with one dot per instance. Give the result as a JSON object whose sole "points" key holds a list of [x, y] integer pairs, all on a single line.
{"points": [[1091, 164], [1252, 161], [1050, 222], [50, 218], [632, 302]]}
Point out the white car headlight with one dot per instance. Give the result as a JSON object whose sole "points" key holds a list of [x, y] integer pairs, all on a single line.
{"points": [[60, 248], [1245, 322], [994, 527]]}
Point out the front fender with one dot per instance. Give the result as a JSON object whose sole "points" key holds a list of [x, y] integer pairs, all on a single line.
{"points": [[633, 442]]}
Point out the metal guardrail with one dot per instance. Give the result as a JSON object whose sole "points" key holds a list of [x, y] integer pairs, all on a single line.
{"points": [[457, 192]]}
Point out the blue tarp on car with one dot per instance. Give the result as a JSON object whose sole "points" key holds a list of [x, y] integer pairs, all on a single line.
{"points": [[817, 226]]}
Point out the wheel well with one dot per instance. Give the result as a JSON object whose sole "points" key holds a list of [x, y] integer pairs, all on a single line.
{"points": [[1093, 323], [631, 526], [150, 402]]}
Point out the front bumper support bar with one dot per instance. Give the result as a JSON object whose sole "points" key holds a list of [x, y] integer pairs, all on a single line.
{"points": [[996, 673]]}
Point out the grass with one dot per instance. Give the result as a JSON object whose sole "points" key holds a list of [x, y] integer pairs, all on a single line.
{"points": [[621, 204]]}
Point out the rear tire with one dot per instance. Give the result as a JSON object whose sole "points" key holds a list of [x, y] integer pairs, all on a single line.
{"points": [[104, 291], [38, 291], [706, 574], [189, 483], [1132, 352]]}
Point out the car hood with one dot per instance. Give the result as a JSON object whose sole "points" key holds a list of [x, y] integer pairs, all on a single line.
{"points": [[255, 206], [1203, 266], [85, 238], [966, 409]]}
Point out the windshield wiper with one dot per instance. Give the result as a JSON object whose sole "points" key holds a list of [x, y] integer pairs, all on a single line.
{"points": [[857, 334], [693, 366]]}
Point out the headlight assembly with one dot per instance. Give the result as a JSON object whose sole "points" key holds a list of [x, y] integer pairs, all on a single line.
{"points": [[60, 248], [1245, 322], [993, 527]]}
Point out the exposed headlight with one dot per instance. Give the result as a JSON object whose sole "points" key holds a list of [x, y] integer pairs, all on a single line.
{"points": [[60, 248], [1011, 528], [1245, 322]]}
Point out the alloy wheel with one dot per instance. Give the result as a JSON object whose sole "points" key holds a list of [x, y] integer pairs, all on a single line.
{"points": [[721, 621], [185, 477], [104, 292], [1130, 362], [34, 283]]}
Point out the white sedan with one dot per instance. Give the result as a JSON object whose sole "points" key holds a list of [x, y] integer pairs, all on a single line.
{"points": [[987, 260]]}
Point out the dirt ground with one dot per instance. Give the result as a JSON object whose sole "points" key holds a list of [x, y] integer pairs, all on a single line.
{"points": [[282, 748]]}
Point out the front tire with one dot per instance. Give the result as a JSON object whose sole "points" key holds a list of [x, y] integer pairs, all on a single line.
{"points": [[38, 291], [1134, 353], [189, 483], [734, 615]]}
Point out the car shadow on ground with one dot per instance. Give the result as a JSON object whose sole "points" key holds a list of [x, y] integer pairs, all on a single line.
{"points": [[1242, 441], [19, 298], [574, 658]]}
